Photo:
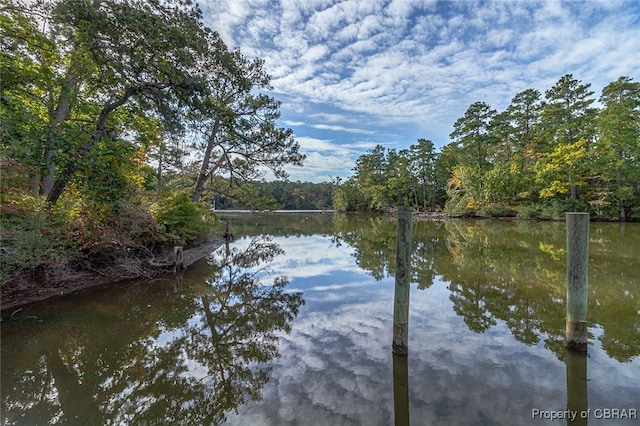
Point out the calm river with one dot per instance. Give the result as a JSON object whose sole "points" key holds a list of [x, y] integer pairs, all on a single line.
{"points": [[292, 325]]}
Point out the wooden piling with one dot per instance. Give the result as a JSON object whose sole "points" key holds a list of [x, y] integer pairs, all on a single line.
{"points": [[401, 294], [577, 280], [178, 258]]}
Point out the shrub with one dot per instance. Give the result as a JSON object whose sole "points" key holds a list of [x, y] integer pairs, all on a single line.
{"points": [[497, 210], [556, 209], [182, 219], [32, 238], [528, 211]]}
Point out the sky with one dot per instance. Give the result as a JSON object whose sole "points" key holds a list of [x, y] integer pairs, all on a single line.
{"points": [[353, 74]]}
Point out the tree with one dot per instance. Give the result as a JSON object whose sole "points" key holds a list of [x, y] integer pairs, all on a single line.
{"points": [[422, 165], [465, 189], [448, 158], [567, 115], [370, 177], [524, 114], [567, 123], [472, 133], [503, 137], [401, 184], [30, 59], [347, 196], [562, 170], [618, 145], [97, 64], [147, 52], [239, 123]]}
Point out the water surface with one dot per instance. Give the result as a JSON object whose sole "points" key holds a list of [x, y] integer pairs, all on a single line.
{"points": [[292, 324]]}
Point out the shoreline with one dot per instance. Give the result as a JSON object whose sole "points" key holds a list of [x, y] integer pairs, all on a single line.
{"points": [[31, 288], [439, 216], [27, 289]]}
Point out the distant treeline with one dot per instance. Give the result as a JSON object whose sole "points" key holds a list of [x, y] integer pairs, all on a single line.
{"points": [[536, 159], [279, 195]]}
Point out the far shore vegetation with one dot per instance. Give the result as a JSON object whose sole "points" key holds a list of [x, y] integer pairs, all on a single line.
{"points": [[541, 157]]}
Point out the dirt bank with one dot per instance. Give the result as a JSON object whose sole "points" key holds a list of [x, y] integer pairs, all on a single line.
{"points": [[35, 287]]}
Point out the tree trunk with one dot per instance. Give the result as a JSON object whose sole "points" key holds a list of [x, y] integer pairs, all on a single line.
{"points": [[572, 186], [46, 184], [81, 153], [59, 116], [159, 172], [206, 161], [63, 178], [625, 211]]}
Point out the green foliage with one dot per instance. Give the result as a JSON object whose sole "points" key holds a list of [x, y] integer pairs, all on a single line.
{"points": [[348, 197], [112, 174], [528, 211], [539, 159], [561, 171], [503, 183], [497, 210], [556, 209], [567, 115], [183, 220], [249, 196], [33, 238], [465, 190], [94, 92], [472, 133], [274, 195], [23, 243], [386, 178], [617, 150], [422, 165]]}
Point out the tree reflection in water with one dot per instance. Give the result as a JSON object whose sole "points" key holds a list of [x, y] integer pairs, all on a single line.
{"points": [[190, 358], [514, 272]]}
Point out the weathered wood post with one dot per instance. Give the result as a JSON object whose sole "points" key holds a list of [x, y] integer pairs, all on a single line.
{"points": [[400, 390], [178, 258], [401, 294], [577, 280]]}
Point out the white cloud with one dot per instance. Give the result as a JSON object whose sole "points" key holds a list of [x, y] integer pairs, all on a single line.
{"points": [[342, 129], [321, 167], [319, 145], [381, 68]]}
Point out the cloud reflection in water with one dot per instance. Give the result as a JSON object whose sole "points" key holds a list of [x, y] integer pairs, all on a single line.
{"points": [[336, 365]]}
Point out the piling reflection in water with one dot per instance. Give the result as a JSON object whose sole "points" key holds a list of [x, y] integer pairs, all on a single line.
{"points": [[163, 353], [577, 400], [401, 390]]}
